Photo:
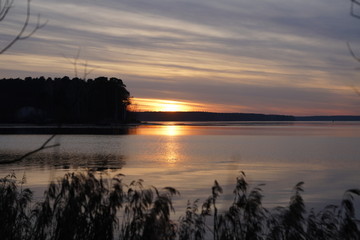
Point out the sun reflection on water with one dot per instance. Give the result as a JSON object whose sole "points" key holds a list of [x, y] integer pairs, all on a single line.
{"points": [[171, 147], [169, 136], [171, 152], [163, 130], [171, 130]]}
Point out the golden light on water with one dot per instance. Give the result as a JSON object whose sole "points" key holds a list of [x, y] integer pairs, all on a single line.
{"points": [[171, 130], [172, 147], [164, 130], [170, 135], [172, 152]]}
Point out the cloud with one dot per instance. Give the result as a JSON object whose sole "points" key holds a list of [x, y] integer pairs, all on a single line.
{"points": [[276, 54], [250, 98]]}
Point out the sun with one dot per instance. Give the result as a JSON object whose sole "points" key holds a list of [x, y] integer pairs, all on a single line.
{"points": [[170, 107], [163, 105]]}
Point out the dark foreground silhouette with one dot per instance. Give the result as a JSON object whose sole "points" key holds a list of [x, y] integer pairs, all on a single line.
{"points": [[88, 206], [63, 100]]}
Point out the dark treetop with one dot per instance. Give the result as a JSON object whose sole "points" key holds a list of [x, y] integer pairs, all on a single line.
{"points": [[63, 100]]}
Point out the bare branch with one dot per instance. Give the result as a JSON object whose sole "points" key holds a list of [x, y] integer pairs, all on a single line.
{"points": [[42, 147], [86, 72], [357, 59], [356, 90], [352, 52], [21, 35], [38, 26], [354, 3], [352, 11], [75, 63], [4, 8]]}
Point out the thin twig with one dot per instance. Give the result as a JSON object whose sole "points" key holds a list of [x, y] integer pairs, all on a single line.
{"points": [[21, 35], [356, 90], [352, 11], [86, 72], [357, 59], [42, 147], [352, 52], [75, 63], [4, 9]]}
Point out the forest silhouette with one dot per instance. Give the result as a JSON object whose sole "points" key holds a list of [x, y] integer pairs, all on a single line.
{"points": [[63, 100]]}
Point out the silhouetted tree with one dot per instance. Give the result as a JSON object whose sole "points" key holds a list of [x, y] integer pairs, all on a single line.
{"points": [[63, 100]]}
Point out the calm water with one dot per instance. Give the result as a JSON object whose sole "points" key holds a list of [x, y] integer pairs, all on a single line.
{"points": [[190, 156]]}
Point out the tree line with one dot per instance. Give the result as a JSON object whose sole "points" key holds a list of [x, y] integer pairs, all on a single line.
{"points": [[63, 100]]}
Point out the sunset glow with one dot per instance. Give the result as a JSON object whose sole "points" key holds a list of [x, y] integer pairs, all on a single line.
{"points": [[162, 105], [198, 56]]}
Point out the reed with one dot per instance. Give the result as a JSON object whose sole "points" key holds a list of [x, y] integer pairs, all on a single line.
{"points": [[14, 208], [89, 206]]}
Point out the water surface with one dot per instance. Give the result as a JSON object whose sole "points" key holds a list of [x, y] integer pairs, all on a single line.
{"points": [[190, 156]]}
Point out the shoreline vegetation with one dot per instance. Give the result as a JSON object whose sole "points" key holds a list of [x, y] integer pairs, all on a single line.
{"points": [[63, 101], [87, 205]]}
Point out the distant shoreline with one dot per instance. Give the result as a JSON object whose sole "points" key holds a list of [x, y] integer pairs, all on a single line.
{"points": [[121, 129], [210, 116]]}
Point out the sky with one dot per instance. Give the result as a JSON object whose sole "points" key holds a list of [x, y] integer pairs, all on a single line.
{"points": [[259, 56]]}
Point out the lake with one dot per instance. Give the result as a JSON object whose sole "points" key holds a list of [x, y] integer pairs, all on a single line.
{"points": [[191, 155]]}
